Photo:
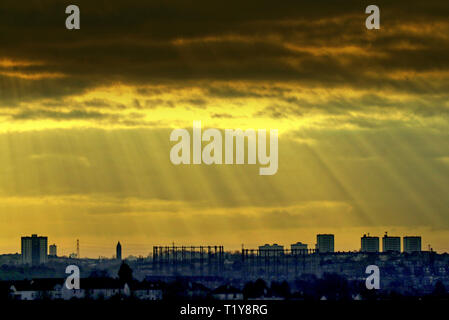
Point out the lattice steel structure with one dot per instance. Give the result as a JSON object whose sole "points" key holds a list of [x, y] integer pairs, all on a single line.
{"points": [[273, 263], [196, 260]]}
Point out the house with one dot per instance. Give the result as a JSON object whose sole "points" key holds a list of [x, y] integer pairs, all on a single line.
{"points": [[55, 289], [90, 288], [147, 290], [102, 288], [61, 292], [196, 290], [227, 292], [34, 289]]}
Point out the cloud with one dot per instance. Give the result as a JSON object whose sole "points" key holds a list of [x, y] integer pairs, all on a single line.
{"points": [[222, 115], [322, 44], [58, 115], [291, 61]]}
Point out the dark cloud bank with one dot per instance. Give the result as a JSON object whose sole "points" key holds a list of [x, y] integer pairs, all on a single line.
{"points": [[147, 42]]}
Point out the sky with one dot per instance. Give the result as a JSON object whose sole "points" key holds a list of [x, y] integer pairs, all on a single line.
{"points": [[86, 116]]}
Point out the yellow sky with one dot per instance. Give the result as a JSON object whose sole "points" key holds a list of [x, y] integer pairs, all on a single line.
{"points": [[86, 116]]}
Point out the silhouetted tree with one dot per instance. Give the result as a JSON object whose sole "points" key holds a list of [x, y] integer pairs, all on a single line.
{"points": [[4, 291], [306, 285], [280, 289], [334, 287], [125, 273], [176, 289], [255, 289], [365, 293], [440, 290]]}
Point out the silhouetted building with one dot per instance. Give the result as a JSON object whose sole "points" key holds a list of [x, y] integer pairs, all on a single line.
{"points": [[52, 250], [370, 244], [34, 250], [412, 244], [119, 251], [391, 244], [298, 247], [271, 250], [325, 243]]}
